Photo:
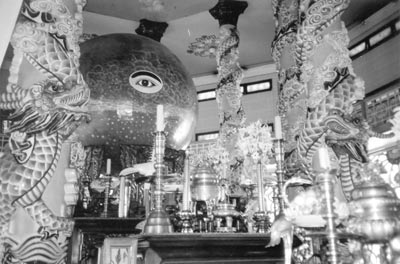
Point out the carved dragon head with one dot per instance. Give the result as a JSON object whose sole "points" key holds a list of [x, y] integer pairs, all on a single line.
{"points": [[349, 134], [48, 105], [55, 99]]}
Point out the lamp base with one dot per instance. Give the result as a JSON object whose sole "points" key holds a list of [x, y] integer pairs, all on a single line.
{"points": [[158, 222]]}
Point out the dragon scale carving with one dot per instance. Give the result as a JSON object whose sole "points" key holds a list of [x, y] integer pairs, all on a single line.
{"points": [[230, 75], [23, 184], [341, 99], [45, 112]]}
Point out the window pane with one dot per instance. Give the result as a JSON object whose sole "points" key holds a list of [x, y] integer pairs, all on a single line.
{"points": [[357, 49], [380, 36], [201, 96], [263, 86], [207, 136], [397, 25]]}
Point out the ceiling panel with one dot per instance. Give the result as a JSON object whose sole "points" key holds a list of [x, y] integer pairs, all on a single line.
{"points": [[190, 19]]}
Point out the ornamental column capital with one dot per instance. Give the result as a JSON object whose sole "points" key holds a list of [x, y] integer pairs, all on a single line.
{"points": [[151, 29], [227, 12]]}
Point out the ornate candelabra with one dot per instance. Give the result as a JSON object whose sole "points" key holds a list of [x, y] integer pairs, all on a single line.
{"points": [[158, 220]]}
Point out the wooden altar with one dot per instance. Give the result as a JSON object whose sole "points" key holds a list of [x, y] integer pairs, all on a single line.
{"points": [[201, 248], [196, 248], [90, 232]]}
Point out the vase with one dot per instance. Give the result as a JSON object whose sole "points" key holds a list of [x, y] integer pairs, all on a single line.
{"points": [[375, 212]]}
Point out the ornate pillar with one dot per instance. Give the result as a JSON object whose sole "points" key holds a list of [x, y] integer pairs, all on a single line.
{"points": [[151, 29], [47, 93], [318, 88], [231, 113], [291, 106], [315, 75]]}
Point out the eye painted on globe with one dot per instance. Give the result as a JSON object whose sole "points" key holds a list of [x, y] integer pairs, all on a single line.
{"points": [[145, 82]]}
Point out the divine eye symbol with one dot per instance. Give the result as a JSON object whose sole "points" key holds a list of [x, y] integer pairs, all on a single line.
{"points": [[145, 82]]}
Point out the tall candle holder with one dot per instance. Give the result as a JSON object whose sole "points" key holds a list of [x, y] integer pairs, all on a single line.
{"points": [[325, 180], [158, 220], [261, 217], [107, 179], [186, 214]]}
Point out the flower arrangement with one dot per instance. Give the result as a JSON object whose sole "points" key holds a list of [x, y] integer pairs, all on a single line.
{"points": [[306, 209], [219, 157], [255, 141], [218, 154]]}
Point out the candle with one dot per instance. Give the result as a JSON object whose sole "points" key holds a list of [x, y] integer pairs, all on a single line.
{"points": [[260, 186], [322, 161], [278, 127], [127, 199], [224, 171], [186, 185], [160, 118], [108, 168], [122, 201]]}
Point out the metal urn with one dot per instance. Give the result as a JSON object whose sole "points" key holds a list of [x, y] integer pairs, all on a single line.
{"points": [[375, 212], [204, 184]]}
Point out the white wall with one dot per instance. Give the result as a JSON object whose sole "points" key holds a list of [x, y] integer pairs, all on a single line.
{"points": [[9, 10]]}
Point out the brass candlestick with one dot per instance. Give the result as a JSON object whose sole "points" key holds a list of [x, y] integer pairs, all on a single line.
{"points": [[186, 214], [325, 179], [106, 195], [158, 220], [261, 218]]}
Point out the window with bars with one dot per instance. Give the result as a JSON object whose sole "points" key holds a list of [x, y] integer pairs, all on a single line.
{"points": [[247, 88], [207, 136], [373, 40]]}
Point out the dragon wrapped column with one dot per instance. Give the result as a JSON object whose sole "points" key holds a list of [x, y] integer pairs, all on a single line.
{"points": [[230, 74]]}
